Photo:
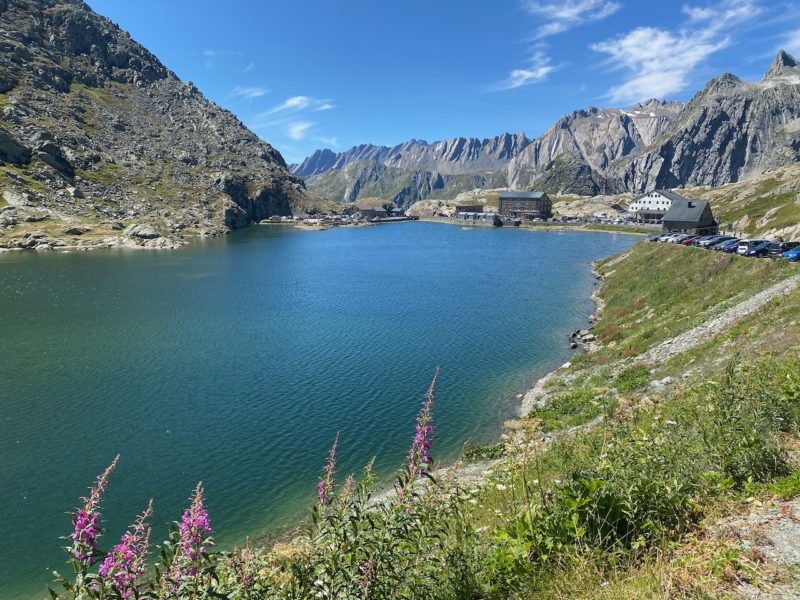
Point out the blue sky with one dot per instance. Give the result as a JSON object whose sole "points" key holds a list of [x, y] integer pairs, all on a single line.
{"points": [[319, 73]]}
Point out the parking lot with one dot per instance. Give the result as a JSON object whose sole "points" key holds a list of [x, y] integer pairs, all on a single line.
{"points": [[751, 247]]}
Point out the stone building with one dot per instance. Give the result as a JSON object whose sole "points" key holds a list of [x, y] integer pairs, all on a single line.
{"points": [[525, 205]]}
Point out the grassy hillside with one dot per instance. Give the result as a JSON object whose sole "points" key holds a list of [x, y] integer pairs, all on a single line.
{"points": [[616, 483]]}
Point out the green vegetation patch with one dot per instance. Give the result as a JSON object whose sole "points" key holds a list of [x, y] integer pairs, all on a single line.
{"points": [[573, 407], [476, 452], [632, 378]]}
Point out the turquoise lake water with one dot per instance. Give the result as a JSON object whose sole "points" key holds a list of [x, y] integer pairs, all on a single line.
{"points": [[235, 361]]}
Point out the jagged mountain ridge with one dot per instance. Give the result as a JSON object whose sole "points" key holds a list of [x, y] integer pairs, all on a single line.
{"points": [[457, 156], [731, 131], [589, 139], [96, 132]]}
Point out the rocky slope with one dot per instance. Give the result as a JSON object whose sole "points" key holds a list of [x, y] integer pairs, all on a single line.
{"points": [[100, 144], [732, 131]]}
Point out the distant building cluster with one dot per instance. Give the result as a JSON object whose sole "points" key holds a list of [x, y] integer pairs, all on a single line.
{"points": [[675, 213]]}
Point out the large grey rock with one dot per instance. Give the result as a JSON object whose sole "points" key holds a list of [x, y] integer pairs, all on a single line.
{"points": [[11, 151], [142, 231]]}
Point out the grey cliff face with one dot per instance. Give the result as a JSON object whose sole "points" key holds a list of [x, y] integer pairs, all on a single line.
{"points": [[95, 128], [731, 131], [449, 157]]}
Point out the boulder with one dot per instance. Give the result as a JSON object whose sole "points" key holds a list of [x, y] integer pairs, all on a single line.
{"points": [[142, 231], [76, 230], [11, 151]]}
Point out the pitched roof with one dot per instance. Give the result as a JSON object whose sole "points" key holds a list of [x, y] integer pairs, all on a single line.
{"points": [[685, 210], [526, 195], [674, 196]]}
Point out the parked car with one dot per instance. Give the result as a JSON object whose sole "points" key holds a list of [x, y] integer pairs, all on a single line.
{"points": [[714, 240], [752, 247], [688, 240], [677, 239], [792, 255], [666, 237], [731, 247], [702, 238], [726, 242], [776, 249]]}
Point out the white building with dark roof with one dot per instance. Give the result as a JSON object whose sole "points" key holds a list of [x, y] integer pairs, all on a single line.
{"points": [[652, 206]]}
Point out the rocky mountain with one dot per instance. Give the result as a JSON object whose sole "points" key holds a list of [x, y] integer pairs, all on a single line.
{"points": [[458, 156], [731, 131], [570, 157], [100, 144]]}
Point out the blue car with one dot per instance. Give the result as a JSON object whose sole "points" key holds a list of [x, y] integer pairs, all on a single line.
{"points": [[730, 247], [792, 255]]}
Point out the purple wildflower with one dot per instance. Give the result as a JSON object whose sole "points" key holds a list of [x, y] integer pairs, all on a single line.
{"points": [[86, 521], [325, 484], [419, 457], [195, 527], [126, 562]]}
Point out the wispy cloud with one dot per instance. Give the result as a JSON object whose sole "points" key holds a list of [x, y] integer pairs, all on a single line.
{"points": [[660, 62], [562, 16], [539, 67], [555, 16], [250, 66], [249, 92], [297, 130], [299, 104], [791, 43]]}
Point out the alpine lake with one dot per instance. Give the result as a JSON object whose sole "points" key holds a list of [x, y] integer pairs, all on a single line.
{"points": [[236, 361]]}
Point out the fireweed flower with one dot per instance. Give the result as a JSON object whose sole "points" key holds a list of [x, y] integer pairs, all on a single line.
{"points": [[126, 562], [326, 483], [86, 521], [193, 531], [195, 526], [419, 458]]}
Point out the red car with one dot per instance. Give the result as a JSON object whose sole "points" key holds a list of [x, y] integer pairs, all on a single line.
{"points": [[688, 241]]}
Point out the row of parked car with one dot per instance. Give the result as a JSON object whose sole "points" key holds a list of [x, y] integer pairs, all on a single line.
{"points": [[734, 245]]}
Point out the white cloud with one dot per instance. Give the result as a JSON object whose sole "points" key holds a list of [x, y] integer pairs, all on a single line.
{"points": [[568, 14], [250, 66], [300, 103], [660, 62], [297, 130], [249, 92], [538, 70], [792, 43]]}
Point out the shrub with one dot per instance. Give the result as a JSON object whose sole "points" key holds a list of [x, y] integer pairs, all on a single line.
{"points": [[632, 378]]}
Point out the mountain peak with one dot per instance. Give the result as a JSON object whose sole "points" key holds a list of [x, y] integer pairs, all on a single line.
{"points": [[783, 60]]}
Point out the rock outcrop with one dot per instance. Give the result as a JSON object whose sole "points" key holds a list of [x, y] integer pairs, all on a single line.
{"points": [[95, 129], [731, 131]]}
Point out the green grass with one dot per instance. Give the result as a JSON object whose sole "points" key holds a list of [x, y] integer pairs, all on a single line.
{"points": [[632, 378], [661, 290], [573, 407]]}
